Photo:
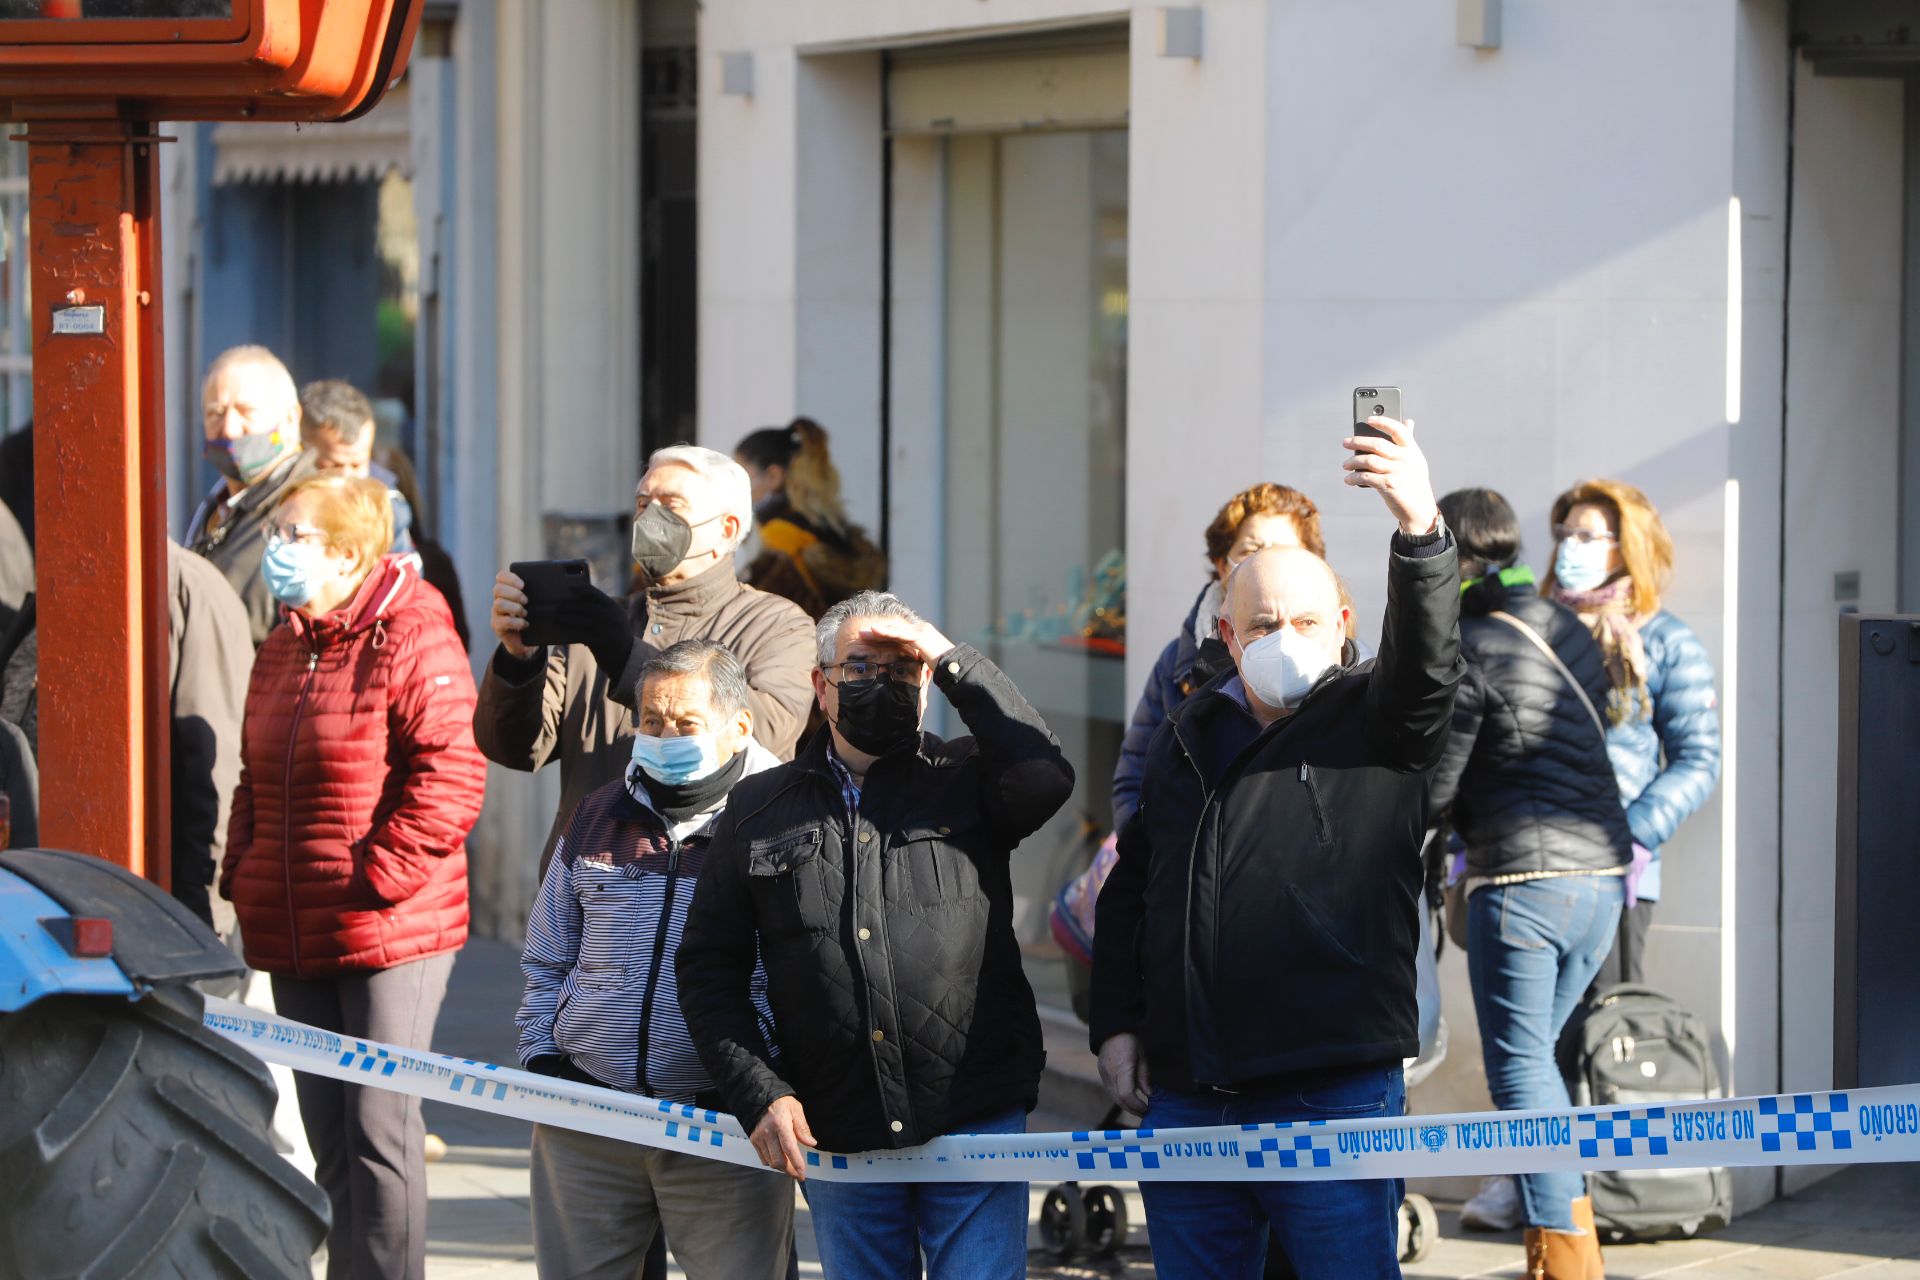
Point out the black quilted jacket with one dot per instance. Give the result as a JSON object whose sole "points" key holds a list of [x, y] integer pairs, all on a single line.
{"points": [[892, 968], [1525, 770]]}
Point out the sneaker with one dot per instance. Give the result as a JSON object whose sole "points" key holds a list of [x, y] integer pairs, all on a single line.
{"points": [[1497, 1207]]}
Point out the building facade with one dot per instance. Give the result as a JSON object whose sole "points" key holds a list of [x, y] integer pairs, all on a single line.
{"points": [[1061, 275]]}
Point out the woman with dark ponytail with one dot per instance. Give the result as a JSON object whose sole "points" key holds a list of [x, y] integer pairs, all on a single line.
{"points": [[808, 550]]}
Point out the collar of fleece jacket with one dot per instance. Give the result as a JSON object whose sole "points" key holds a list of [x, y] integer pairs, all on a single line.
{"points": [[385, 587], [699, 596]]}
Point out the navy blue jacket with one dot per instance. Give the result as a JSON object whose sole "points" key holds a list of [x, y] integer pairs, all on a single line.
{"points": [[1183, 666]]}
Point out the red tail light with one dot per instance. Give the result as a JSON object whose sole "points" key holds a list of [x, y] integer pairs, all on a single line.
{"points": [[92, 936], [84, 937]]}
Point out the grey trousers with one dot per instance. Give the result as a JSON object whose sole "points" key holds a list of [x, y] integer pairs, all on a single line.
{"points": [[597, 1203], [369, 1145]]}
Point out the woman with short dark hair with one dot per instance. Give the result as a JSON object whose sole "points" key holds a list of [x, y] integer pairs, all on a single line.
{"points": [[1531, 792]]}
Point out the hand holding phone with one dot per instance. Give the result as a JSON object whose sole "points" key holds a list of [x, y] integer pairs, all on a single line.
{"points": [[1388, 460], [545, 587]]}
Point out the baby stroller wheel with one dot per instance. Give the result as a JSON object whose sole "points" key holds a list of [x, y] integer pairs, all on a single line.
{"points": [[1419, 1228], [1063, 1221], [1106, 1221]]}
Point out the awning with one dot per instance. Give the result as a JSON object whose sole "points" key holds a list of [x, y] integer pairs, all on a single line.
{"points": [[1075, 79], [366, 148]]}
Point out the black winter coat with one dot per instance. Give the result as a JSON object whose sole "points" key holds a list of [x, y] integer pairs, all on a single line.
{"points": [[892, 968], [1526, 772], [1262, 920]]}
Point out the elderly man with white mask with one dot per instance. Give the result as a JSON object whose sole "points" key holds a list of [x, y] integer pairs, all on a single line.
{"points": [[575, 701], [250, 416], [1257, 937]]}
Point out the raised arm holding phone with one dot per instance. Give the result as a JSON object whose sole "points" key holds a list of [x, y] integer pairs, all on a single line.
{"points": [[1298, 780], [572, 697]]}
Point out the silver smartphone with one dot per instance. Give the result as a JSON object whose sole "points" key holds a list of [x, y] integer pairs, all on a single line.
{"points": [[1375, 402]]}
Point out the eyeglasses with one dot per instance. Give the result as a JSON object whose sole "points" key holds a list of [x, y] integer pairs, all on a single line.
{"points": [[672, 502], [860, 671], [1585, 537], [1238, 553], [301, 535]]}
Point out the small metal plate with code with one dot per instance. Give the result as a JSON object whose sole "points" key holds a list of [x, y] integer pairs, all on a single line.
{"points": [[81, 320]]}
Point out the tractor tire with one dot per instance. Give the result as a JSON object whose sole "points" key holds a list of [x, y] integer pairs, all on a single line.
{"points": [[133, 1143]]}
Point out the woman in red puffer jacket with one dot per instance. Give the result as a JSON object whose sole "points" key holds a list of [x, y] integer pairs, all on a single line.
{"points": [[346, 857]]}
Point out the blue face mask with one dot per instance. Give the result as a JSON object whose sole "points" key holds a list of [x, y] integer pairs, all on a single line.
{"points": [[1581, 566], [293, 571], [677, 761]]}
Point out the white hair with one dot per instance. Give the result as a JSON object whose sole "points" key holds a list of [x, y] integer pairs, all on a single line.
{"points": [[252, 353], [861, 604], [728, 478]]}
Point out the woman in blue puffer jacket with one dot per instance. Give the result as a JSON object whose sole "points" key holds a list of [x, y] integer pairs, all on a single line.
{"points": [[1613, 560], [1267, 515]]}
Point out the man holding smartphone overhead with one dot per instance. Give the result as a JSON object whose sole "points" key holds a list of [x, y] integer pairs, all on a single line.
{"points": [[573, 699], [1257, 937]]}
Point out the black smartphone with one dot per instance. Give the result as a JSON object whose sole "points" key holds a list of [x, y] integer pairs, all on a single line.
{"points": [[548, 584], [1375, 402]]}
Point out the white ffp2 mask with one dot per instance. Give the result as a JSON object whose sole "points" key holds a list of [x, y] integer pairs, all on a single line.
{"points": [[1282, 665]]}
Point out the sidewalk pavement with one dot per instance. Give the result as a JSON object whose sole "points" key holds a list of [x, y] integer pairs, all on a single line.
{"points": [[1863, 1224]]}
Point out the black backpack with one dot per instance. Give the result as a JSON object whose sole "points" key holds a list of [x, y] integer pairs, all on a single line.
{"points": [[1633, 1046]]}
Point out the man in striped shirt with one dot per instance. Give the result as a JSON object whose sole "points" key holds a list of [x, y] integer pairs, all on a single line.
{"points": [[602, 1003]]}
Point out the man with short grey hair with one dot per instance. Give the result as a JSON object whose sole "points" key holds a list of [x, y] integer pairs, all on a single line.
{"points": [[336, 423], [602, 1004], [250, 414], [872, 874], [575, 701]]}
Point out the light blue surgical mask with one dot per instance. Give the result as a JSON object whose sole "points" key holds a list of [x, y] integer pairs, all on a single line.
{"points": [[293, 570], [1581, 566], [677, 761]]}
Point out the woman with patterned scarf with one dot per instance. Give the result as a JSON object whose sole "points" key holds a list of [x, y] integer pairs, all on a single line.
{"points": [[1614, 558]]}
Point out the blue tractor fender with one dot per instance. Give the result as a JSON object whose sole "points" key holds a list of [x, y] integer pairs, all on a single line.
{"points": [[155, 942]]}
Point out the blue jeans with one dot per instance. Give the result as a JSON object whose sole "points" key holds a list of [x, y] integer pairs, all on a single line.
{"points": [[1330, 1230], [1532, 948], [967, 1230]]}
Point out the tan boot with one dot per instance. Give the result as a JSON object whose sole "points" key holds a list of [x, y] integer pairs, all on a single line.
{"points": [[1583, 1219], [1563, 1255]]}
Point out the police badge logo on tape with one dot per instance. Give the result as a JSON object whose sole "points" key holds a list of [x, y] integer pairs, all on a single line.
{"points": [[1433, 1136]]}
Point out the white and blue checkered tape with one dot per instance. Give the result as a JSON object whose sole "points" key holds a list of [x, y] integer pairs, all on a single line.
{"points": [[1855, 1126]]}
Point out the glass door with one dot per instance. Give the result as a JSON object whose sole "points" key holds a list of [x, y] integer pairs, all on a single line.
{"points": [[1035, 287]]}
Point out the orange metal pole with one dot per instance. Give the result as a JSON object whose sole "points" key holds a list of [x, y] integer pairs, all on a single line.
{"points": [[99, 490]]}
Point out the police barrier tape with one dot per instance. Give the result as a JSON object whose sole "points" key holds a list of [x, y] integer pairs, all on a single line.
{"points": [[1856, 1126]]}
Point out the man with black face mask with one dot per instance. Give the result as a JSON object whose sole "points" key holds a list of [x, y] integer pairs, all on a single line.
{"points": [[872, 876], [250, 411], [575, 702]]}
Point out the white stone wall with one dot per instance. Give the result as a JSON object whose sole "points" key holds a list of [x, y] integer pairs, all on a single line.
{"points": [[1570, 251], [1841, 498], [546, 392]]}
